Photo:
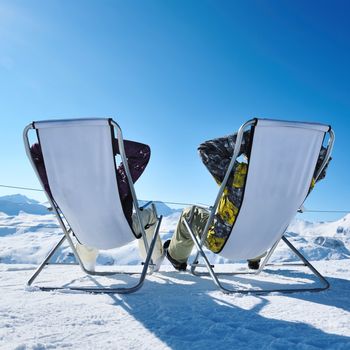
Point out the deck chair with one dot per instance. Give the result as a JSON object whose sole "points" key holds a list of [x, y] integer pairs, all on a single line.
{"points": [[83, 191], [281, 166]]}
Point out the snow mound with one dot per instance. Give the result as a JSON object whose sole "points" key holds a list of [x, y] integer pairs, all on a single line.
{"points": [[162, 208], [27, 238], [14, 204]]}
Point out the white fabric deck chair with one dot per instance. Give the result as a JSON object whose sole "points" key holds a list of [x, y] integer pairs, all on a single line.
{"points": [[282, 162], [83, 191]]}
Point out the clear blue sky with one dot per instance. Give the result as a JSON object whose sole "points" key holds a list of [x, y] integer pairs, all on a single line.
{"points": [[175, 73]]}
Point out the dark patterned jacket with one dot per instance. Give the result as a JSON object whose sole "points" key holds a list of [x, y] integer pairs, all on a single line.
{"points": [[216, 155]]}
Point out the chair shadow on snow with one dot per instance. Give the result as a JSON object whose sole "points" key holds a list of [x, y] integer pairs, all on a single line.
{"points": [[184, 311], [337, 295]]}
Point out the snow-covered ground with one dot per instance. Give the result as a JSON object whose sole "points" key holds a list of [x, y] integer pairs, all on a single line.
{"points": [[172, 310]]}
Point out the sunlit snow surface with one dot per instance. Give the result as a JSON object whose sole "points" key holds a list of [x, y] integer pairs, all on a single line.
{"points": [[173, 310]]}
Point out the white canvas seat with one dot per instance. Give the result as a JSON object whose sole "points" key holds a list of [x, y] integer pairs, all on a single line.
{"points": [[83, 189], [281, 166]]}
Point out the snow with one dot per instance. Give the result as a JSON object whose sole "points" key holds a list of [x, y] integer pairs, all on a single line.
{"points": [[14, 204], [172, 310]]}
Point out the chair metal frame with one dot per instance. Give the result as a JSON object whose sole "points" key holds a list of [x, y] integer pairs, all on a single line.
{"points": [[68, 234], [212, 210]]}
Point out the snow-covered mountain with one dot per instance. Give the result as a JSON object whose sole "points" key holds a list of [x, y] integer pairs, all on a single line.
{"points": [[14, 204], [27, 236], [323, 240], [162, 208]]}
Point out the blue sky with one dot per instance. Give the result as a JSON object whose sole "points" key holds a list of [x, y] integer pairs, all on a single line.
{"points": [[173, 74]]}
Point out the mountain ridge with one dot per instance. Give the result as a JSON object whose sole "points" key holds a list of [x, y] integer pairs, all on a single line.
{"points": [[16, 203]]}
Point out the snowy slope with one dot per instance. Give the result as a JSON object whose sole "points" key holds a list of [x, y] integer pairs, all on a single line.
{"points": [[14, 204], [27, 238], [173, 310]]}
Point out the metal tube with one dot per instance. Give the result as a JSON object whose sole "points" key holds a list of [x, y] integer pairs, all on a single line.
{"points": [[208, 265], [307, 263], [29, 155], [328, 154], [237, 148], [268, 256], [46, 260], [227, 175], [200, 250], [50, 200], [131, 184], [123, 290], [214, 275], [67, 231]]}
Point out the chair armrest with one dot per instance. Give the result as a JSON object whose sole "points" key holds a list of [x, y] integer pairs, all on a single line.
{"points": [[145, 205], [153, 207]]}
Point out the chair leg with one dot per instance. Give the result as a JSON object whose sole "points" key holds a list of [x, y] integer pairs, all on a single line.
{"points": [[308, 264], [46, 260], [123, 290], [225, 290]]}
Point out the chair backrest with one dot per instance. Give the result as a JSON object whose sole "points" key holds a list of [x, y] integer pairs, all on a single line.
{"points": [[281, 166], [81, 171]]}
